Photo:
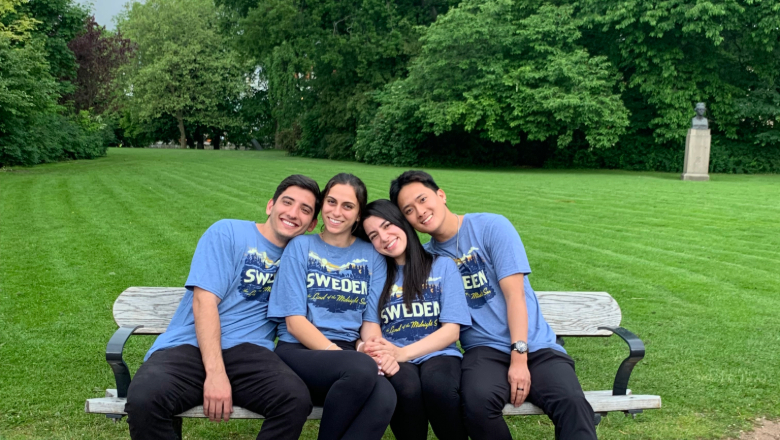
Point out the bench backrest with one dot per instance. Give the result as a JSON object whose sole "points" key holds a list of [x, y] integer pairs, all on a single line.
{"points": [[568, 313]]}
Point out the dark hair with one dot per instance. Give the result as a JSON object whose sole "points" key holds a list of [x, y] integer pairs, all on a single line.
{"points": [[418, 264], [361, 193], [408, 177], [302, 182]]}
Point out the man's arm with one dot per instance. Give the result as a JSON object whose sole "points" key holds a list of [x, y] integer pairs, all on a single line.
{"points": [[517, 315], [217, 393]]}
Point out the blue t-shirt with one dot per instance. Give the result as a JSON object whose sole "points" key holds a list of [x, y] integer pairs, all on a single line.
{"points": [[489, 249], [237, 264], [444, 301], [335, 288]]}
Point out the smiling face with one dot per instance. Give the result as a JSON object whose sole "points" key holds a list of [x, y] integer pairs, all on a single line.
{"points": [[387, 238], [340, 209], [292, 214], [423, 207]]}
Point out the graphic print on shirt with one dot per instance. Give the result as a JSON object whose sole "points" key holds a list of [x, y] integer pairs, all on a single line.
{"points": [[473, 271], [405, 326], [337, 288], [257, 276]]}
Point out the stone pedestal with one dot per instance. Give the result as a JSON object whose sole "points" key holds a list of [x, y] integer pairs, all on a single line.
{"points": [[697, 155]]}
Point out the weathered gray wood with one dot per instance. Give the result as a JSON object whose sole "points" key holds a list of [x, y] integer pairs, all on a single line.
{"points": [[601, 401], [151, 307], [111, 392], [568, 313], [579, 313]]}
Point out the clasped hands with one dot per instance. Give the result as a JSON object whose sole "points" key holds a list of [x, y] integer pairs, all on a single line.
{"points": [[385, 353]]}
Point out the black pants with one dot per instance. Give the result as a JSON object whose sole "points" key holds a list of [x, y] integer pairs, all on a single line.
{"points": [[428, 391], [357, 402], [554, 388], [171, 382]]}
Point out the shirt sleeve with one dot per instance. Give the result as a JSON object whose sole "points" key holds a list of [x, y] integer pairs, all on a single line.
{"points": [[289, 293], [454, 308], [505, 248], [378, 276], [212, 267]]}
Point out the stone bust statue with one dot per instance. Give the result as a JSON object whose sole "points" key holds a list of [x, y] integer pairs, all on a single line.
{"points": [[699, 122]]}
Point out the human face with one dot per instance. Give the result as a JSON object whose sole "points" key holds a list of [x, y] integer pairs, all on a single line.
{"points": [[340, 210], [423, 207], [292, 214], [387, 238]]}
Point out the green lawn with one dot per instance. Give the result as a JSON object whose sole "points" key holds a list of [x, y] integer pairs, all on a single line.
{"points": [[694, 265]]}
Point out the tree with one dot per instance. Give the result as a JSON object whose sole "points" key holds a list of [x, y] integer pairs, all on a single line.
{"points": [[675, 53], [99, 54], [57, 23], [12, 26], [511, 71], [33, 127], [182, 67], [321, 60]]}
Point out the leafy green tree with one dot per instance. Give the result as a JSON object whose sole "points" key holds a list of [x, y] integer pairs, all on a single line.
{"points": [[321, 60], [57, 23], [511, 71], [12, 26], [674, 53], [182, 67]]}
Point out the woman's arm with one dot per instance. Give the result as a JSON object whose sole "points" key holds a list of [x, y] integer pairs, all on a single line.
{"points": [[369, 331], [307, 334]]}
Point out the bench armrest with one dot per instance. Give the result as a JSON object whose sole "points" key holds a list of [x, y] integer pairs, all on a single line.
{"points": [[114, 349], [636, 352]]}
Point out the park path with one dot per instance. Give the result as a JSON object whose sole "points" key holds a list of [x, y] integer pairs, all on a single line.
{"points": [[766, 430]]}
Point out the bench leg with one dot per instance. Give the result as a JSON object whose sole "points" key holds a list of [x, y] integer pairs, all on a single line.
{"points": [[177, 425], [633, 412], [115, 417]]}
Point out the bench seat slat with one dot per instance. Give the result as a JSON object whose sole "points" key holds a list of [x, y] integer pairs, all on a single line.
{"points": [[568, 313], [601, 401], [151, 307], [579, 313]]}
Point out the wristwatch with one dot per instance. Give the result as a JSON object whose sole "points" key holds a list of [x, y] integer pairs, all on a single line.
{"points": [[520, 347]]}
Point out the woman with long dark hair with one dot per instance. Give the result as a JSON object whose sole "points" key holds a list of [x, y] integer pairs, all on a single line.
{"points": [[421, 309], [326, 290]]}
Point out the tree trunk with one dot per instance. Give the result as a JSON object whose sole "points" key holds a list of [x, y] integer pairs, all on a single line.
{"points": [[182, 132], [216, 139], [276, 136], [199, 137]]}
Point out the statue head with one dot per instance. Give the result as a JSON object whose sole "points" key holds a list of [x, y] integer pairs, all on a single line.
{"points": [[700, 109]]}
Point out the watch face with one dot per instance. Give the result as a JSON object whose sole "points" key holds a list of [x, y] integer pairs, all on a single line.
{"points": [[520, 346]]}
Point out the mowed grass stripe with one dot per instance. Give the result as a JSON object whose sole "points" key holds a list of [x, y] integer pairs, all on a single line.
{"points": [[692, 247], [139, 213], [694, 233], [649, 251], [681, 213]]}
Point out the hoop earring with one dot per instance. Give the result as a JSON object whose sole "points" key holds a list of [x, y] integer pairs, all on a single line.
{"points": [[322, 228], [354, 228]]}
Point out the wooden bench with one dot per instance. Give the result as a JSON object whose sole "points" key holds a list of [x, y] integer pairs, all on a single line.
{"points": [[148, 310]]}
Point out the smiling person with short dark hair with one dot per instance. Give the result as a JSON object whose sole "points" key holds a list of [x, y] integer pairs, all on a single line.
{"points": [[218, 348]]}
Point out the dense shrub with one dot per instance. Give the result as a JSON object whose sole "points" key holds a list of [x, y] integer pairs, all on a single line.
{"points": [[726, 156], [52, 137]]}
